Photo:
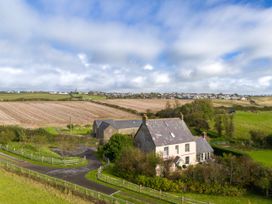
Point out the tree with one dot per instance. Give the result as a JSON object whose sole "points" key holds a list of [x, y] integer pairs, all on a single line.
{"points": [[258, 138], [116, 145], [219, 125]]}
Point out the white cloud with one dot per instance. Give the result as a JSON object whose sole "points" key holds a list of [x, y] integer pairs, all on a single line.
{"points": [[83, 59], [161, 78], [148, 67], [265, 81]]}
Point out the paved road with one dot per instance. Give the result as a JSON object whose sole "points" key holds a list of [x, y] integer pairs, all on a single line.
{"points": [[74, 175]]}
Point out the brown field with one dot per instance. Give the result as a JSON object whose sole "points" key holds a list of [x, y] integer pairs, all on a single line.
{"points": [[41, 114], [263, 101], [141, 105]]}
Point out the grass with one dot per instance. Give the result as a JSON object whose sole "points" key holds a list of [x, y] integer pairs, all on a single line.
{"points": [[215, 199], [32, 96], [124, 193], [77, 130], [45, 96], [246, 199], [36, 150], [244, 122], [261, 156], [16, 189], [83, 163]]}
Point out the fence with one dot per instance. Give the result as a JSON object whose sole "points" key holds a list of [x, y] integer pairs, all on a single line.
{"points": [[66, 161], [63, 185], [145, 190]]}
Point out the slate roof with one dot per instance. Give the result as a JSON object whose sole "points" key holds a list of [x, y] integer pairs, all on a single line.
{"points": [[118, 124], [202, 146], [169, 131]]}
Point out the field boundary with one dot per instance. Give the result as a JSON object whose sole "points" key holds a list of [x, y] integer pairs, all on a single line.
{"points": [[62, 184], [44, 159], [145, 190], [129, 110]]}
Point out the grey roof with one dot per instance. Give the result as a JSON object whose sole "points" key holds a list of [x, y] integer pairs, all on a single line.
{"points": [[119, 124], [169, 131], [202, 146], [99, 122]]}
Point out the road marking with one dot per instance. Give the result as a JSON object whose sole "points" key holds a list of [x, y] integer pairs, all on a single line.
{"points": [[115, 192]]}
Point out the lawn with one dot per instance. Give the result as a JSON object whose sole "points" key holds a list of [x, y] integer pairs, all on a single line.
{"points": [[15, 189], [246, 199], [262, 156], [244, 122]]}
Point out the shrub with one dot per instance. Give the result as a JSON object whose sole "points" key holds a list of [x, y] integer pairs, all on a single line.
{"points": [[115, 146]]}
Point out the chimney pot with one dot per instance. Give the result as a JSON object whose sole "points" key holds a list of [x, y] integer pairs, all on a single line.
{"points": [[144, 118], [181, 116]]}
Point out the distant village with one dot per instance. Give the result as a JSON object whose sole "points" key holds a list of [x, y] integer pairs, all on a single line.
{"points": [[173, 95], [151, 95]]}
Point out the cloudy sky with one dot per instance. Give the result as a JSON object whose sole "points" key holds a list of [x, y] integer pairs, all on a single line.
{"points": [[140, 46]]}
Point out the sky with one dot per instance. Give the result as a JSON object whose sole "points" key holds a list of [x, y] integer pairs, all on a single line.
{"points": [[136, 46]]}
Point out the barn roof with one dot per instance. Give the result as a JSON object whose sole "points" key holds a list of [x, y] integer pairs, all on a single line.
{"points": [[169, 131], [118, 124], [202, 146]]}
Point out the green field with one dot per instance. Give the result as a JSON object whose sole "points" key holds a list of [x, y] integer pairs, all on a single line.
{"points": [[262, 156], [244, 122], [32, 96], [44, 96], [15, 189]]}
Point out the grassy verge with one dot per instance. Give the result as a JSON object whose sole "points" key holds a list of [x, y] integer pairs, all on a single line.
{"points": [[76, 130], [124, 193], [83, 163], [246, 199], [13, 191]]}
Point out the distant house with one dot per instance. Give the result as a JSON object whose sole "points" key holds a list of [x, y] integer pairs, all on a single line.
{"points": [[171, 138], [104, 129]]}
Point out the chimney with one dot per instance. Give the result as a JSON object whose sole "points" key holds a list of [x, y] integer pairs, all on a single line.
{"points": [[144, 118], [181, 116], [204, 135]]}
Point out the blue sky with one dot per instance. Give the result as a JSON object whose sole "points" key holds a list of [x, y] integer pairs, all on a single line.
{"points": [[139, 46]]}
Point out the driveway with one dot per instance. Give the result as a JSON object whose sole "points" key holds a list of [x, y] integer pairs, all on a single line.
{"points": [[73, 175]]}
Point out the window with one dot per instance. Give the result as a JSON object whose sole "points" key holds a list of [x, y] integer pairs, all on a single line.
{"points": [[166, 151], [177, 149], [187, 160], [187, 147]]}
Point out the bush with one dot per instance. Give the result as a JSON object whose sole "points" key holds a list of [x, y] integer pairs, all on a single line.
{"points": [[115, 146]]}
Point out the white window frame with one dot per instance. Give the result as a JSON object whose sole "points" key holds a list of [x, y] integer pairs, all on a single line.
{"points": [[187, 147], [177, 149], [166, 151], [188, 160]]}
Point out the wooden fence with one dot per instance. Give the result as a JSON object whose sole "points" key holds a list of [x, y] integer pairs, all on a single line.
{"points": [[66, 161], [145, 190], [62, 184]]}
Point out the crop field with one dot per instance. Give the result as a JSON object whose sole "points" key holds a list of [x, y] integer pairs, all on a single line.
{"points": [[56, 114], [15, 189], [263, 101], [244, 122], [141, 105]]}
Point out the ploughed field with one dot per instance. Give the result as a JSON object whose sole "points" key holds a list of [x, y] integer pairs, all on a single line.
{"points": [[57, 113], [142, 105]]}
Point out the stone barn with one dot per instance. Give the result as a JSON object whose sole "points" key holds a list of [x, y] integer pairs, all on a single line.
{"points": [[104, 129]]}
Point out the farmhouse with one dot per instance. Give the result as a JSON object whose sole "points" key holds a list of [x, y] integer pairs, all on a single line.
{"points": [[172, 139], [104, 129]]}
